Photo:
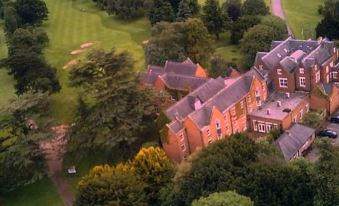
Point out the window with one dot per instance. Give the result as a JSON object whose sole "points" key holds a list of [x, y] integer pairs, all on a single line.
{"points": [[217, 124], [301, 70], [315, 67], [208, 132], [261, 127], [333, 75], [295, 119], [331, 64], [257, 94], [283, 82], [279, 71], [181, 136], [183, 147], [317, 77], [241, 105], [327, 69], [268, 127], [302, 81], [250, 109], [225, 116], [307, 107], [301, 113]]}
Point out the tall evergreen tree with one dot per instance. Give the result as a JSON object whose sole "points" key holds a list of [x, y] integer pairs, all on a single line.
{"points": [[184, 11], [233, 8], [161, 11], [215, 20], [10, 18]]}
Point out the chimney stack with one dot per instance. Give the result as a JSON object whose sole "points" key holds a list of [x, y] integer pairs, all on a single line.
{"points": [[288, 95]]}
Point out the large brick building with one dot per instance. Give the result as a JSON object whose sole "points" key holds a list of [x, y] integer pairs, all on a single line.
{"points": [[284, 83], [213, 111]]}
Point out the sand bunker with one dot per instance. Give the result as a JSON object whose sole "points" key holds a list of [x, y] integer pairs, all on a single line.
{"points": [[86, 45], [70, 64], [78, 51]]}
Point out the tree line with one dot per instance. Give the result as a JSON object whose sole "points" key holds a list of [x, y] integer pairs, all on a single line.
{"points": [[232, 171], [21, 161]]}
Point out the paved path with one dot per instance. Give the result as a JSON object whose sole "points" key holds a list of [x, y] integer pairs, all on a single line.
{"points": [[53, 151], [278, 10]]}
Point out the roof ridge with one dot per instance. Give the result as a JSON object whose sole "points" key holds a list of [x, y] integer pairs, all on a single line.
{"points": [[275, 48]]}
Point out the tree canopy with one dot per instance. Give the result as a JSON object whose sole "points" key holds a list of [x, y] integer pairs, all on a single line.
{"points": [[31, 12], [223, 199], [179, 40], [121, 111], [255, 7]]}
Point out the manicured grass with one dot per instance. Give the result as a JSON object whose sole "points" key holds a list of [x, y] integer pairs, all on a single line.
{"points": [[73, 22], [230, 52], [41, 193], [302, 16]]}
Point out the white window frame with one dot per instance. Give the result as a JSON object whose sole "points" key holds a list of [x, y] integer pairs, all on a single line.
{"points": [[317, 77], [333, 75], [301, 70], [255, 126], [283, 82], [327, 69], [261, 127], [241, 104], [279, 71], [302, 81]]}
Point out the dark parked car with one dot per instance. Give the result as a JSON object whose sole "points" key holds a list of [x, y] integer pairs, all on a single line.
{"points": [[335, 119], [328, 133]]}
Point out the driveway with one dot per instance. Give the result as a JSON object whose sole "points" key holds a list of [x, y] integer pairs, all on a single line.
{"points": [[334, 127], [277, 10]]}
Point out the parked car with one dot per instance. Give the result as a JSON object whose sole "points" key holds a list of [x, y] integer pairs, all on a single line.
{"points": [[328, 133], [335, 119]]}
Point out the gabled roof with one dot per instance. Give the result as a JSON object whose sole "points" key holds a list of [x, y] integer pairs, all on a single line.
{"points": [[186, 67], [186, 105], [217, 93], [181, 82], [288, 64], [293, 139], [327, 89]]}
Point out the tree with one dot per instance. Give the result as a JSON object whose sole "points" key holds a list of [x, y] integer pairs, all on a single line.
{"points": [[161, 11], [223, 199], [10, 18], [154, 169], [241, 26], [31, 12], [124, 9], [219, 67], [312, 119], [194, 6], [255, 7], [177, 41], [233, 8], [279, 26], [257, 38], [328, 27], [122, 110], [326, 177], [23, 40], [31, 73], [184, 11], [21, 161], [215, 20], [105, 185]]}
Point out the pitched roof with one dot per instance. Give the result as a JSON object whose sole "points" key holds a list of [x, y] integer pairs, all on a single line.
{"points": [[175, 126], [181, 82], [218, 93], [152, 74], [288, 64], [293, 139], [186, 105], [186, 67], [328, 88]]}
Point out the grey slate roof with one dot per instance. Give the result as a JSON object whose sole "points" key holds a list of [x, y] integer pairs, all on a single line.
{"points": [[292, 140], [288, 64], [152, 73], [328, 88], [175, 126], [183, 68], [186, 105], [181, 82], [224, 98]]}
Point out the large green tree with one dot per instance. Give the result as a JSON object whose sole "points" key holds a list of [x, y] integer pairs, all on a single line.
{"points": [[31, 12], [125, 9], [233, 8], [279, 26], [106, 185], [31, 73], [21, 161], [10, 19], [184, 11], [177, 41], [214, 18], [257, 38], [223, 199], [241, 26], [122, 110], [255, 7], [161, 11]]}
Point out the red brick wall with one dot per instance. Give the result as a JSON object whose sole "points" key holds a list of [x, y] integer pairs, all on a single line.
{"points": [[200, 72], [172, 147], [194, 135], [284, 74]]}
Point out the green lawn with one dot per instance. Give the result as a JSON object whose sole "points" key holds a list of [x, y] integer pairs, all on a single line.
{"points": [[73, 22], [41, 193], [302, 16]]}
